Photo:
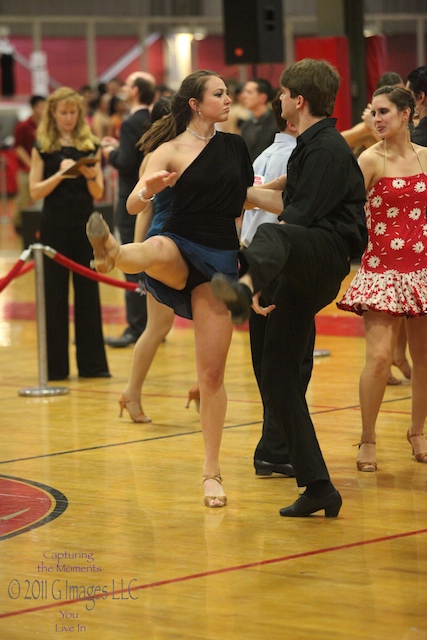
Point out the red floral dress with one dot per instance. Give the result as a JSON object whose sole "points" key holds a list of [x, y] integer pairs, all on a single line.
{"points": [[393, 273]]}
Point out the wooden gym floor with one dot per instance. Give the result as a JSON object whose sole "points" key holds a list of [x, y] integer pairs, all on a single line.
{"points": [[91, 503]]}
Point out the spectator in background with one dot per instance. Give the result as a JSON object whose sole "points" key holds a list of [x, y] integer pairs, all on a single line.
{"points": [[123, 154], [417, 85], [88, 95], [25, 135], [121, 112], [258, 132], [163, 91], [114, 88], [63, 138], [238, 113], [101, 119]]}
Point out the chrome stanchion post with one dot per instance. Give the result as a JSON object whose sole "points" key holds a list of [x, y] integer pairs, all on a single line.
{"points": [[42, 389]]}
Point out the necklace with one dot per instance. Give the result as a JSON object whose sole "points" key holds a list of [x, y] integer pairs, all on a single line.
{"points": [[197, 135]]}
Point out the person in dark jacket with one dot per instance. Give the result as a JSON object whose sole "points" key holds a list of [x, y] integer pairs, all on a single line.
{"points": [[123, 154]]}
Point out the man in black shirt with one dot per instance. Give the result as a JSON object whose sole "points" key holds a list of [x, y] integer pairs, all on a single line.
{"points": [[323, 211]]}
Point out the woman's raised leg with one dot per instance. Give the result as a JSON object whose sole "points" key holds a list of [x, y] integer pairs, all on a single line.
{"points": [[157, 256]]}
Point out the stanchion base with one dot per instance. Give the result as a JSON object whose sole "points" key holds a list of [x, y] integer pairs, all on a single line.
{"points": [[36, 392], [321, 353]]}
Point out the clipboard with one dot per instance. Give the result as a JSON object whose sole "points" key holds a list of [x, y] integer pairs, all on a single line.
{"points": [[73, 171]]}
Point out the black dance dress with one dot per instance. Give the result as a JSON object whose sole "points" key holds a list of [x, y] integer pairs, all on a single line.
{"points": [[208, 198]]}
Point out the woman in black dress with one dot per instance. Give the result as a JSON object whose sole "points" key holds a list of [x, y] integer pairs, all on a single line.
{"points": [[209, 172], [64, 137]]}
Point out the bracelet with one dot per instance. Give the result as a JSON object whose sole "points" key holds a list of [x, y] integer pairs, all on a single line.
{"points": [[143, 198], [90, 179]]}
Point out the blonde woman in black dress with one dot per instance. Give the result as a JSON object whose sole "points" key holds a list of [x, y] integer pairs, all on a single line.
{"points": [[64, 137]]}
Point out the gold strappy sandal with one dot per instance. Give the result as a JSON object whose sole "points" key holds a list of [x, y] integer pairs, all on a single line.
{"points": [[208, 499], [422, 455], [368, 466]]}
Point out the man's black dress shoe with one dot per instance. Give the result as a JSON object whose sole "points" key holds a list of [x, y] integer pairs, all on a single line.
{"points": [[125, 340], [237, 297], [305, 506], [263, 468]]}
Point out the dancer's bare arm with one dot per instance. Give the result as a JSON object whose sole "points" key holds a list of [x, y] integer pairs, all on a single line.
{"points": [[156, 177], [267, 199]]}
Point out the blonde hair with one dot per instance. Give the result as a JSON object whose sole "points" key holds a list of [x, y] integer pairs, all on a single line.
{"points": [[48, 134]]}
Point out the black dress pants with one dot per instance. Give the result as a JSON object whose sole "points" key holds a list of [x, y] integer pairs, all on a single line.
{"points": [[310, 264], [136, 304], [90, 349], [272, 446]]}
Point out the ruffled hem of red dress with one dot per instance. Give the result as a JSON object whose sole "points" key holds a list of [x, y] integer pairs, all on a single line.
{"points": [[392, 292]]}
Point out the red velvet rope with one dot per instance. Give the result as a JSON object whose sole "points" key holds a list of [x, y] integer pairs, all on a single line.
{"points": [[92, 275], [28, 267], [13, 273], [19, 270]]}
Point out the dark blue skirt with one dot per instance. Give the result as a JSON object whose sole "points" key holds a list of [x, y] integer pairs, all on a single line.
{"points": [[203, 263]]}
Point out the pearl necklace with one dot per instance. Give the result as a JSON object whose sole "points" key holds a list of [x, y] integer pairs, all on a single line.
{"points": [[197, 135]]}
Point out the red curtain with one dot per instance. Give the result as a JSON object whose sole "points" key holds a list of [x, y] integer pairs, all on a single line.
{"points": [[334, 50]]}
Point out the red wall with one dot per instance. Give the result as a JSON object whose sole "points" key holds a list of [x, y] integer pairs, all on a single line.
{"points": [[67, 58], [335, 51]]}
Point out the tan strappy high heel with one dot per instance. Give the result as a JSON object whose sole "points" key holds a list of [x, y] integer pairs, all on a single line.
{"points": [[98, 232], [368, 466], [421, 456], [208, 499], [133, 407]]}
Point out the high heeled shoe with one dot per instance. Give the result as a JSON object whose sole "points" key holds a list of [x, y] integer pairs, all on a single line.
{"points": [[421, 456], [369, 466], [133, 407], [194, 394], [98, 232], [208, 499]]}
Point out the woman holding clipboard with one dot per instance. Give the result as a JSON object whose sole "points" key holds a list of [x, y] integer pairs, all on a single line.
{"points": [[66, 173]]}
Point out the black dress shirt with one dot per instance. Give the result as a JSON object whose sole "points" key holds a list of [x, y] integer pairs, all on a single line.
{"points": [[419, 134], [325, 186]]}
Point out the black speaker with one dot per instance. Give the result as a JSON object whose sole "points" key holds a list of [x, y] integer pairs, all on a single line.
{"points": [[253, 31]]}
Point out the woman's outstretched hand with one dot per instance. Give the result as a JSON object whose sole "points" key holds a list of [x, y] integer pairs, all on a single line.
{"points": [[159, 181]]}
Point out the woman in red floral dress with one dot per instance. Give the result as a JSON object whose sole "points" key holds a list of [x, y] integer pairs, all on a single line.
{"points": [[392, 279]]}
